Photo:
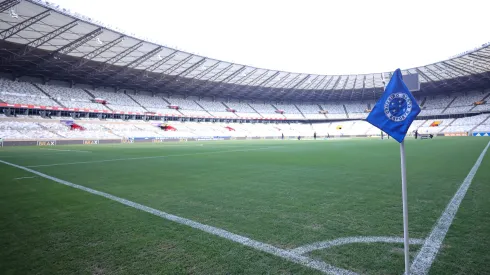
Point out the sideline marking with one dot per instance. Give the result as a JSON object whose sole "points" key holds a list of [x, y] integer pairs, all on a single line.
{"points": [[153, 157], [285, 254], [342, 241], [427, 254], [21, 178], [65, 150]]}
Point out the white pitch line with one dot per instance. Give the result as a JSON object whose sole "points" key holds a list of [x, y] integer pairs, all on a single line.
{"points": [[285, 254], [21, 178], [60, 150], [152, 157], [343, 241], [427, 254]]}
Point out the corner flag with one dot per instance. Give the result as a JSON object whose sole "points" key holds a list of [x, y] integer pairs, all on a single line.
{"points": [[395, 110], [394, 113]]}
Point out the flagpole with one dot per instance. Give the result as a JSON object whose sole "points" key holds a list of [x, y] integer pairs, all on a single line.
{"points": [[405, 207]]}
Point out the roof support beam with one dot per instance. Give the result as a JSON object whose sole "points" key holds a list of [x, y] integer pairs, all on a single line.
{"points": [[135, 63], [237, 85], [211, 80], [330, 94], [88, 57], [156, 81], [311, 82], [439, 78], [475, 64], [39, 41], [463, 69], [427, 78], [293, 88], [8, 4], [269, 89], [321, 82], [160, 62], [480, 56], [200, 76], [185, 72], [451, 73], [23, 25], [324, 89], [70, 46], [469, 74], [115, 59], [252, 83], [231, 76], [474, 72]]}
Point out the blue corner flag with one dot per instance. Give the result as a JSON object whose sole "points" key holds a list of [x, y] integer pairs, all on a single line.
{"points": [[396, 109]]}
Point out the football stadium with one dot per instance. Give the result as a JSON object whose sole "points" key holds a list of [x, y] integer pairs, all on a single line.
{"points": [[120, 155]]}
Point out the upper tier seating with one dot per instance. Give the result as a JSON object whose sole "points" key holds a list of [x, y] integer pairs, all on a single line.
{"points": [[118, 101], [23, 93], [72, 97]]}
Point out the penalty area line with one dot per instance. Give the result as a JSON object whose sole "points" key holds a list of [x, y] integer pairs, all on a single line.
{"points": [[285, 254], [427, 254], [154, 157]]}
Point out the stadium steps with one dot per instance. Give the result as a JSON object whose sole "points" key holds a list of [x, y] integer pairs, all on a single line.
{"points": [[48, 95], [299, 111], [255, 110], [345, 110], [226, 106], [89, 93], [146, 110], [483, 99], [321, 108], [449, 124], [483, 122], [449, 105], [277, 109], [203, 108], [164, 99], [423, 101], [51, 131]]}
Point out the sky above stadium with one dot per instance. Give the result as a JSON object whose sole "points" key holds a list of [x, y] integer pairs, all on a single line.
{"points": [[309, 36]]}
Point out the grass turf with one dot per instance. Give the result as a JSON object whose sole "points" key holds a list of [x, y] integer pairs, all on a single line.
{"points": [[285, 193]]}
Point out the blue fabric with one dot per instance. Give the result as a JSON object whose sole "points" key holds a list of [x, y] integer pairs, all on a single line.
{"points": [[395, 110]]}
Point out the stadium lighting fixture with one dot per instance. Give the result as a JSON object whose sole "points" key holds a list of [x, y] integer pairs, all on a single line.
{"points": [[98, 41], [160, 57], [13, 14]]}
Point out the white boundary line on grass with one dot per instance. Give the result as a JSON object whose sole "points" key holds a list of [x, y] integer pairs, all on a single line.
{"points": [[65, 150], [285, 254], [427, 254], [342, 241], [154, 157], [21, 178]]}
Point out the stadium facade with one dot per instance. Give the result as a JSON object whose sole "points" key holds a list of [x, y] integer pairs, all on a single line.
{"points": [[59, 67]]}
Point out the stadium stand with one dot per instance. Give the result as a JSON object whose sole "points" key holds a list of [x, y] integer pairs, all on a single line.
{"points": [[15, 92], [465, 124], [290, 111], [72, 97], [310, 111], [215, 108], [118, 101], [266, 110]]}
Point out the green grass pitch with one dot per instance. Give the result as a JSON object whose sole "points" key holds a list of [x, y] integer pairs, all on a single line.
{"points": [[283, 193]]}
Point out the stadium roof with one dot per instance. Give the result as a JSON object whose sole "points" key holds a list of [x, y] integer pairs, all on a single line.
{"points": [[38, 38]]}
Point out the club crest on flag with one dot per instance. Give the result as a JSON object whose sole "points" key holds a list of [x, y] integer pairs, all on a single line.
{"points": [[398, 106], [395, 110]]}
